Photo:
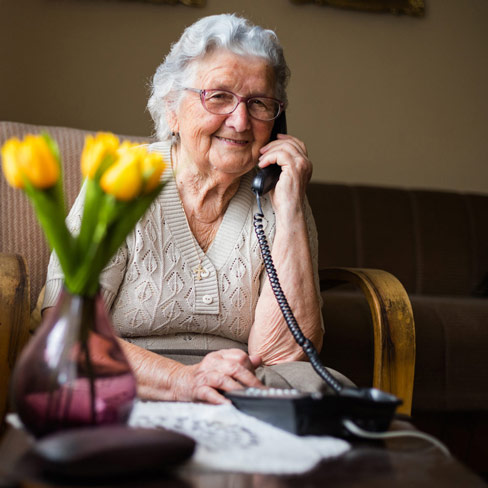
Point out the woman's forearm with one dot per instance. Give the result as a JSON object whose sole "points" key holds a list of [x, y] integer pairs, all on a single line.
{"points": [[270, 337], [155, 374]]}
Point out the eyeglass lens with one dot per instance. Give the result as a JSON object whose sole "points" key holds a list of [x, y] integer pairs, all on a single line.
{"points": [[223, 102]]}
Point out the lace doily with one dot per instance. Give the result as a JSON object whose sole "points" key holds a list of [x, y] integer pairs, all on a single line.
{"points": [[229, 440]]}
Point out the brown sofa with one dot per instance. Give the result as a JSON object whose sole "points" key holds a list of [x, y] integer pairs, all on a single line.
{"points": [[436, 243]]}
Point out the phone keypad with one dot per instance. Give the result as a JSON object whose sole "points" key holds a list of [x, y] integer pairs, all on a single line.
{"points": [[269, 393]]}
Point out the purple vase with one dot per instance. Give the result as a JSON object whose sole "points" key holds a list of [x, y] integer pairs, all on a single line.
{"points": [[73, 372]]}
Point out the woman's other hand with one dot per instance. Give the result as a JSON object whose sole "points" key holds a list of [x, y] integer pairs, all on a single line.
{"points": [[219, 371]]}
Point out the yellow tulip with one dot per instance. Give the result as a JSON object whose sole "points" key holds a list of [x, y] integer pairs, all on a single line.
{"points": [[127, 145], [152, 167], [31, 159], [123, 179], [96, 149], [39, 164], [10, 163]]}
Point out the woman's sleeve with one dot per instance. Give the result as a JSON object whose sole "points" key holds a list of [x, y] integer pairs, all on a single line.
{"points": [[110, 278]]}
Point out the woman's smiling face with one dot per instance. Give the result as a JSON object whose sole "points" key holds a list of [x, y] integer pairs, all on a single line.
{"points": [[226, 143]]}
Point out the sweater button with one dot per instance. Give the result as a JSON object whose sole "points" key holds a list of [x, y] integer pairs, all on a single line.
{"points": [[207, 299]]}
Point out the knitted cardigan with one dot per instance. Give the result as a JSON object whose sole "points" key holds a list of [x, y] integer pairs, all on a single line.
{"points": [[154, 295]]}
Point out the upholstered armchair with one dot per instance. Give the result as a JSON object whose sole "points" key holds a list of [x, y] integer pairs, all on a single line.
{"points": [[14, 319], [24, 257]]}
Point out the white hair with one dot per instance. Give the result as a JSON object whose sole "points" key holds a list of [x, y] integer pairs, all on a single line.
{"points": [[224, 31]]}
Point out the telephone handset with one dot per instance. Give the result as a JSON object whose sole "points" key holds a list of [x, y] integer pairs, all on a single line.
{"points": [[266, 178], [297, 412]]}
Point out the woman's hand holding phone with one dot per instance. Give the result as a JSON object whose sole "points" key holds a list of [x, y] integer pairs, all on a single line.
{"points": [[291, 155]]}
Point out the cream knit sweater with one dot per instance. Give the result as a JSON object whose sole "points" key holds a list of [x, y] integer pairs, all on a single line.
{"points": [[151, 289]]}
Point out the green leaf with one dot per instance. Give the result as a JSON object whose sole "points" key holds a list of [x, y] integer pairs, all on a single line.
{"points": [[116, 220], [91, 208], [58, 188], [94, 198], [91, 252], [53, 146], [51, 216]]}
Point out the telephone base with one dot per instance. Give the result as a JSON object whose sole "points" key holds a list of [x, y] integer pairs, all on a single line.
{"points": [[317, 414]]}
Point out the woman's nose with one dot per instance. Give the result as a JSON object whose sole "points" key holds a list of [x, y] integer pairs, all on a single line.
{"points": [[239, 119]]}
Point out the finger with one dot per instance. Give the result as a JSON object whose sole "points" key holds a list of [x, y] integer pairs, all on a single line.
{"points": [[224, 382], [220, 379], [276, 156], [224, 369], [256, 360], [246, 378], [292, 148], [237, 356], [283, 140], [208, 394], [285, 158], [299, 143], [288, 147]]}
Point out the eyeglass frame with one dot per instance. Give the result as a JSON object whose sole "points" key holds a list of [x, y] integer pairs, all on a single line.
{"points": [[202, 93]]}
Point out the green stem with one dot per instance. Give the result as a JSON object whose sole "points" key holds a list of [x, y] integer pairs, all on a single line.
{"points": [[88, 318]]}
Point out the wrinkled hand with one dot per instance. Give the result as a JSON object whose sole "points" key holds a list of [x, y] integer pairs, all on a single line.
{"points": [[291, 154], [224, 370]]}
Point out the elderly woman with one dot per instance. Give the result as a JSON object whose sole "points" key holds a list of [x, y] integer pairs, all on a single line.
{"points": [[188, 292]]}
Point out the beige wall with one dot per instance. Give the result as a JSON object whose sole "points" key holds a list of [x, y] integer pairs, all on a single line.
{"points": [[379, 99]]}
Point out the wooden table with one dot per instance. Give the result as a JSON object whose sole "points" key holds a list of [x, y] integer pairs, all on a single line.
{"points": [[406, 462]]}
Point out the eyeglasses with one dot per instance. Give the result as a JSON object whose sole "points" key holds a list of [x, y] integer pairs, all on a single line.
{"points": [[224, 102]]}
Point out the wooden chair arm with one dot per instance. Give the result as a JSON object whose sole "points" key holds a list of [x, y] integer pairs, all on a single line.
{"points": [[393, 324], [14, 319]]}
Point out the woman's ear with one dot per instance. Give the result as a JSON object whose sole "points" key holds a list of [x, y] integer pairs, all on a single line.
{"points": [[172, 120]]}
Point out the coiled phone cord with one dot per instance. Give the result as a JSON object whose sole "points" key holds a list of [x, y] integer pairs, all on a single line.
{"points": [[306, 344]]}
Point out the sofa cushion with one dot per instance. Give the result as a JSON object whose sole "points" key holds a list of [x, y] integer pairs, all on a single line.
{"points": [[451, 370], [452, 353]]}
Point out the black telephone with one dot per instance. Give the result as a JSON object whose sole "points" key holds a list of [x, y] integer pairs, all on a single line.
{"points": [[267, 178], [303, 413]]}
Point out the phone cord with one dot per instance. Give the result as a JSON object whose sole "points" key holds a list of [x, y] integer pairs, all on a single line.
{"points": [[306, 344]]}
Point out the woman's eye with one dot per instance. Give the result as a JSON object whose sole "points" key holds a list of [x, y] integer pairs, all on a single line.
{"points": [[259, 104], [219, 96]]}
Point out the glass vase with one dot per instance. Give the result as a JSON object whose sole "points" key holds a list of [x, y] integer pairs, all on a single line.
{"points": [[73, 372]]}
